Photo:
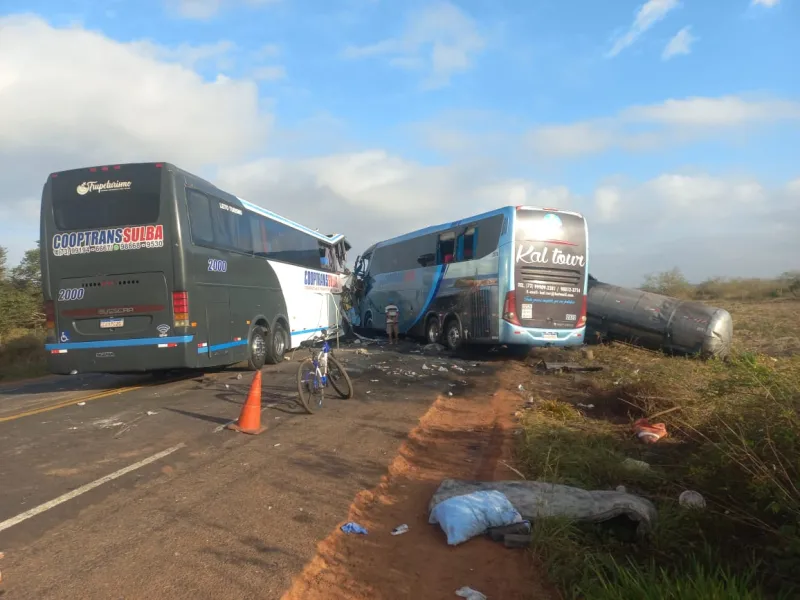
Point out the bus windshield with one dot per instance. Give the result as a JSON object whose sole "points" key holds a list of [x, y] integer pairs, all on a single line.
{"points": [[550, 268]]}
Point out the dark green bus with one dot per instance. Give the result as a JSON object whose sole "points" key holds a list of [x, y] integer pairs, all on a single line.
{"points": [[146, 267]]}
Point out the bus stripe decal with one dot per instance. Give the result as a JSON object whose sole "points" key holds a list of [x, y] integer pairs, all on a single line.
{"points": [[224, 346], [439, 275], [304, 331], [120, 343]]}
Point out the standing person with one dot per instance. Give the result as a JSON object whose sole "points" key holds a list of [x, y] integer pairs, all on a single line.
{"points": [[392, 319]]}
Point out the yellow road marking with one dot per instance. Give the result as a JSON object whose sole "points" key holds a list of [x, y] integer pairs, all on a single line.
{"points": [[98, 396]]}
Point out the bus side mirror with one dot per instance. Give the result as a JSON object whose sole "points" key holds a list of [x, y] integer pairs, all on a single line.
{"points": [[426, 259]]}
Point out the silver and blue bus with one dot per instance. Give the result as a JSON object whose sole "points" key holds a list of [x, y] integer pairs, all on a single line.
{"points": [[514, 276]]}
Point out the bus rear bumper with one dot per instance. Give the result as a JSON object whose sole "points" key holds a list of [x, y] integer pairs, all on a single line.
{"points": [[63, 359], [513, 334]]}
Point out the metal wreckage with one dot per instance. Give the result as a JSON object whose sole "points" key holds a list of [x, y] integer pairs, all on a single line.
{"points": [[630, 315]]}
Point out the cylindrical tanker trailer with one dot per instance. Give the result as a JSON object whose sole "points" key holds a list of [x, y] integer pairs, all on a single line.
{"points": [[657, 322]]}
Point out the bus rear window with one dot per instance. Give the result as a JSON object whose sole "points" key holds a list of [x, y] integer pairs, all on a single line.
{"points": [[93, 200]]}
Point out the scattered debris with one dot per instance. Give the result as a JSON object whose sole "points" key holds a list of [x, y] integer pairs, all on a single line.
{"points": [[433, 348], [151, 413], [621, 489], [647, 433], [457, 368], [425, 367], [498, 534], [400, 529], [81, 403], [582, 405], [692, 499], [239, 376], [537, 500], [463, 516], [556, 367], [353, 528], [470, 594], [362, 351], [276, 445], [73, 372], [521, 387], [588, 354], [449, 393], [443, 369]]}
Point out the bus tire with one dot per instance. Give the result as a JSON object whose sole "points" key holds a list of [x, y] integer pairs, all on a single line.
{"points": [[257, 348], [433, 330], [452, 334], [277, 342]]}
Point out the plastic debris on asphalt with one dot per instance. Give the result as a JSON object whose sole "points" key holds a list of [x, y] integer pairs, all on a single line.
{"points": [[354, 528], [400, 529], [470, 594]]}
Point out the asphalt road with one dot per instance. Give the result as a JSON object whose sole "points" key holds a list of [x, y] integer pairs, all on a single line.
{"points": [[125, 487]]}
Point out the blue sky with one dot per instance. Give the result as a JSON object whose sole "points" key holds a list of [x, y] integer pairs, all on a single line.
{"points": [[662, 121]]}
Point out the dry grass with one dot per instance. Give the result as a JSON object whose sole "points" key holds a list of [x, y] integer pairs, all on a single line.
{"points": [[22, 356], [734, 437]]}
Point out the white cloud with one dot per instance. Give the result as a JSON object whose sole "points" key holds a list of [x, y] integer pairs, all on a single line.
{"points": [[71, 97], [706, 225], [649, 13], [653, 126], [372, 195], [269, 73], [767, 3], [205, 9], [439, 39], [188, 55], [681, 43]]}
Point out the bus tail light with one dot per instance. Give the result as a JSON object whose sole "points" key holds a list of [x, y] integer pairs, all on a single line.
{"points": [[582, 317], [180, 308], [50, 318], [509, 308]]}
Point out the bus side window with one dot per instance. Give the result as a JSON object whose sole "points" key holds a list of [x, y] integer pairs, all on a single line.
{"points": [[326, 258], [469, 241], [200, 217], [446, 248]]}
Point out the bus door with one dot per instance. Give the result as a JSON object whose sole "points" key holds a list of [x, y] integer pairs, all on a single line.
{"points": [[107, 257]]}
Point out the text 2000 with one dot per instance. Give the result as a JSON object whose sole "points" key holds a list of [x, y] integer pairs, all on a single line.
{"points": [[216, 265], [67, 294]]}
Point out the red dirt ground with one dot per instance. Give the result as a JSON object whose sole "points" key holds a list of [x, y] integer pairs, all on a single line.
{"points": [[464, 437]]}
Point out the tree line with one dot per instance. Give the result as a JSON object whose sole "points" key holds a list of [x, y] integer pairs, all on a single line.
{"points": [[20, 294]]}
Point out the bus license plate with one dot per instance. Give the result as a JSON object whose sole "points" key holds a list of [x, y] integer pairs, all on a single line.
{"points": [[111, 323], [550, 335]]}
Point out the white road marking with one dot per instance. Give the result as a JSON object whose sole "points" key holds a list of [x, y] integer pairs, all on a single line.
{"points": [[83, 489]]}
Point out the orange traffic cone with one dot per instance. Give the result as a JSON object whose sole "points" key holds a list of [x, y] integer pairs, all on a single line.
{"points": [[250, 417]]}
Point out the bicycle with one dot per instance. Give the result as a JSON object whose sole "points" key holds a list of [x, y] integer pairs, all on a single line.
{"points": [[314, 374]]}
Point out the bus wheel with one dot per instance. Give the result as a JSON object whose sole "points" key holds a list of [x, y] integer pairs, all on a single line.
{"points": [[277, 342], [258, 349], [433, 331], [452, 334]]}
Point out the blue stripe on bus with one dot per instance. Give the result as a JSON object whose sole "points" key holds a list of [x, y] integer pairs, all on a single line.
{"points": [[224, 346], [438, 276], [304, 331], [185, 339]]}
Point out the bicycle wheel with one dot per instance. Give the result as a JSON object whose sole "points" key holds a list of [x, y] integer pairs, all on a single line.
{"points": [[306, 388], [339, 378]]}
